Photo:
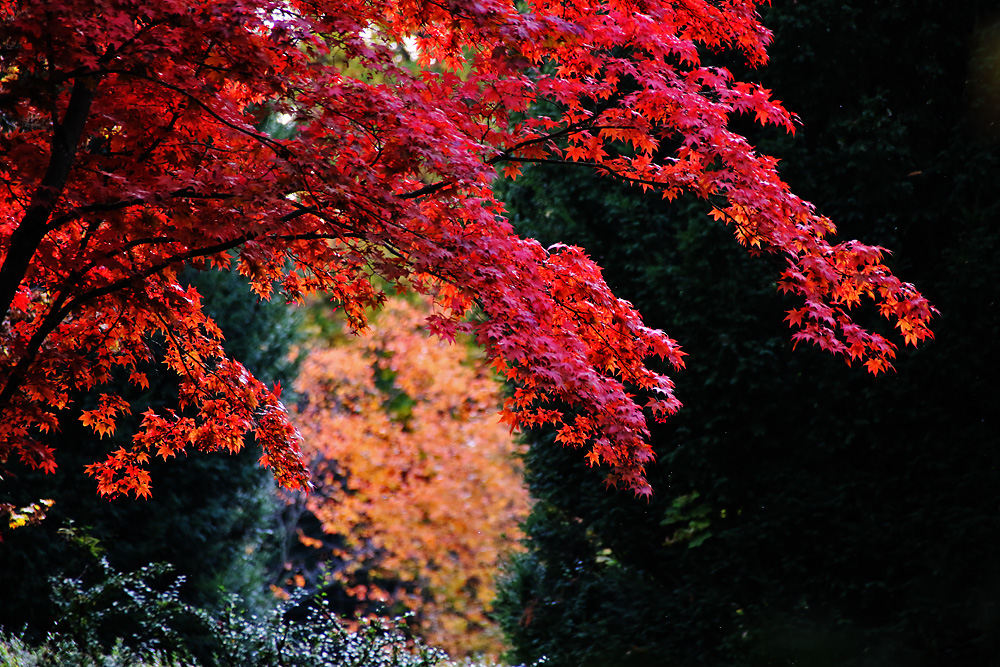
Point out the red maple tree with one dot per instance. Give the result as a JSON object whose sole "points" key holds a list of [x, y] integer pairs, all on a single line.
{"points": [[131, 145]]}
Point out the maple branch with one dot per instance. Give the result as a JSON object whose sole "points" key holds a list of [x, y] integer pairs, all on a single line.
{"points": [[186, 257], [65, 142], [80, 211], [182, 354], [127, 44], [450, 9], [62, 306], [177, 113], [164, 133], [426, 190], [572, 128], [279, 148], [747, 232], [17, 375], [592, 165], [505, 156]]}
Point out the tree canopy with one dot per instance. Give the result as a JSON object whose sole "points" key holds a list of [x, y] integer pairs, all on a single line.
{"points": [[131, 145], [415, 484]]}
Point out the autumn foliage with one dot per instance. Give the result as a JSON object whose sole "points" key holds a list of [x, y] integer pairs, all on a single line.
{"points": [[130, 145], [414, 476]]}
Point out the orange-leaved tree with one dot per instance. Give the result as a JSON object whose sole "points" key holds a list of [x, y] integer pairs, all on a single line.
{"points": [[131, 144], [414, 475]]}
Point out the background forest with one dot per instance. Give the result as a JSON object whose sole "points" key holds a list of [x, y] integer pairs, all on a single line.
{"points": [[804, 512]]}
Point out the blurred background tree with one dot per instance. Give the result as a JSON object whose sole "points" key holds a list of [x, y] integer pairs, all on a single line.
{"points": [[803, 512], [417, 494]]}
